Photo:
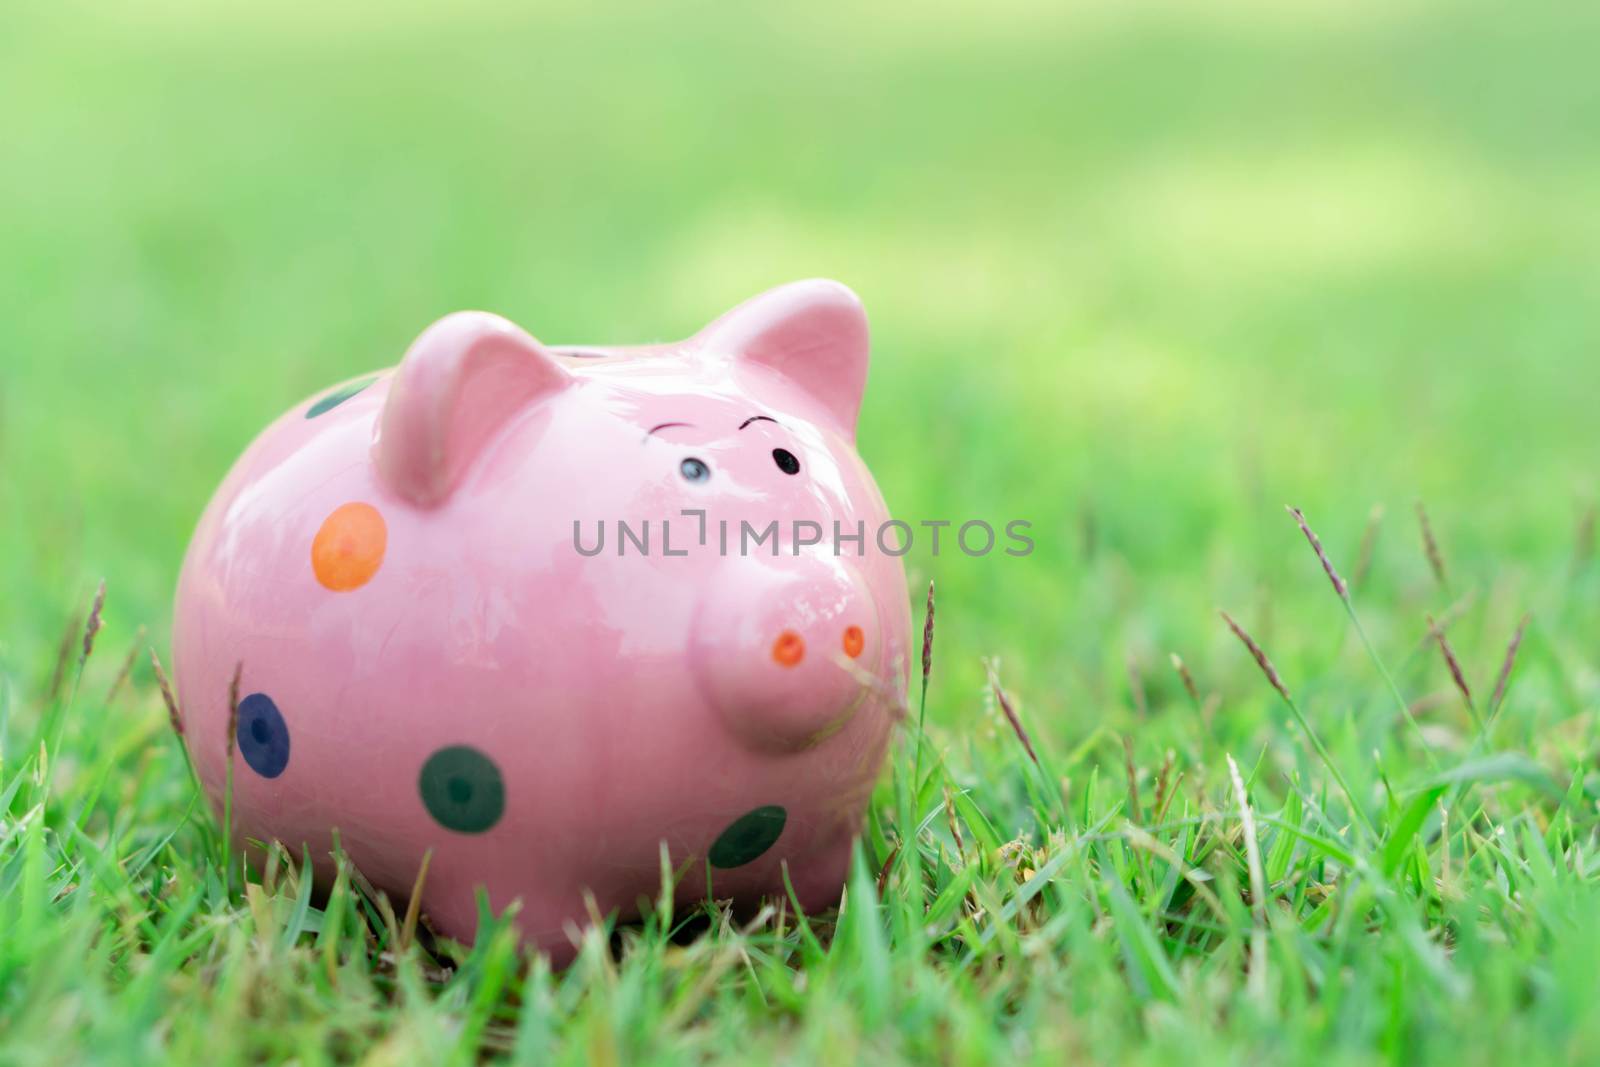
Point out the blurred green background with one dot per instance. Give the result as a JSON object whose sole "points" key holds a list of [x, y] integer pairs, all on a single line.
{"points": [[1141, 274]]}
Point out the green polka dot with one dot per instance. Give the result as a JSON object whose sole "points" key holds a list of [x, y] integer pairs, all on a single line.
{"points": [[749, 837], [462, 789], [338, 396]]}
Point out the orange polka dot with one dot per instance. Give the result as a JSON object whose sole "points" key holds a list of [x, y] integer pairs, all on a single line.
{"points": [[789, 648], [349, 548], [854, 641]]}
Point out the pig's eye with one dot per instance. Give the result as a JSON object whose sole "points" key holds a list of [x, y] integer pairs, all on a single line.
{"points": [[694, 470], [785, 461]]}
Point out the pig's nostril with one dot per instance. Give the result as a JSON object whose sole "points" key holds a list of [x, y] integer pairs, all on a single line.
{"points": [[854, 641], [789, 649]]}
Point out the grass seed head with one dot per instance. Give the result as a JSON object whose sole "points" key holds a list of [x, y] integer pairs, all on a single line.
{"points": [[1260, 657], [927, 639], [1451, 662], [1369, 545], [171, 701], [1141, 703], [127, 665], [955, 825], [1135, 811], [1011, 716], [1163, 779], [1188, 679], [1430, 545], [93, 625], [1504, 681], [1339, 585]]}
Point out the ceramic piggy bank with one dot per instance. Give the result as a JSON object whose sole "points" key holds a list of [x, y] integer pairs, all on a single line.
{"points": [[540, 610]]}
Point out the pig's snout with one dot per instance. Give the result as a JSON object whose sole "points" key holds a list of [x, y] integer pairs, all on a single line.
{"points": [[786, 649]]}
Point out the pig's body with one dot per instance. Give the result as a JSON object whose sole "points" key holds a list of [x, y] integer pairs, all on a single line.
{"points": [[429, 662]]}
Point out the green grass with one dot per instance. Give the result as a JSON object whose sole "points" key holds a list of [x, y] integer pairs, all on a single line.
{"points": [[1141, 277]]}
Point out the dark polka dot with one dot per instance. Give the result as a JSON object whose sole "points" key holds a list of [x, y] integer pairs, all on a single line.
{"points": [[338, 396], [749, 837], [462, 789], [263, 735]]}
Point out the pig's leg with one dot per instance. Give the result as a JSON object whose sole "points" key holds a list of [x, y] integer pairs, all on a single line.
{"points": [[452, 909], [819, 877]]}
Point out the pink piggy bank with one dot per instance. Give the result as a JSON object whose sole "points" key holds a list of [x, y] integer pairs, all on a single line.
{"points": [[542, 611]]}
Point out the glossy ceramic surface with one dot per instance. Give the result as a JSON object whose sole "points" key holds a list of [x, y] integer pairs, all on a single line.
{"points": [[429, 662]]}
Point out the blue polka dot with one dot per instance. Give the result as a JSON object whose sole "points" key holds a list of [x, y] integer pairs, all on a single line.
{"points": [[263, 735]]}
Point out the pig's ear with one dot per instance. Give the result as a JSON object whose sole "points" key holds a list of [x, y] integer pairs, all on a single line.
{"points": [[814, 333], [458, 385]]}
